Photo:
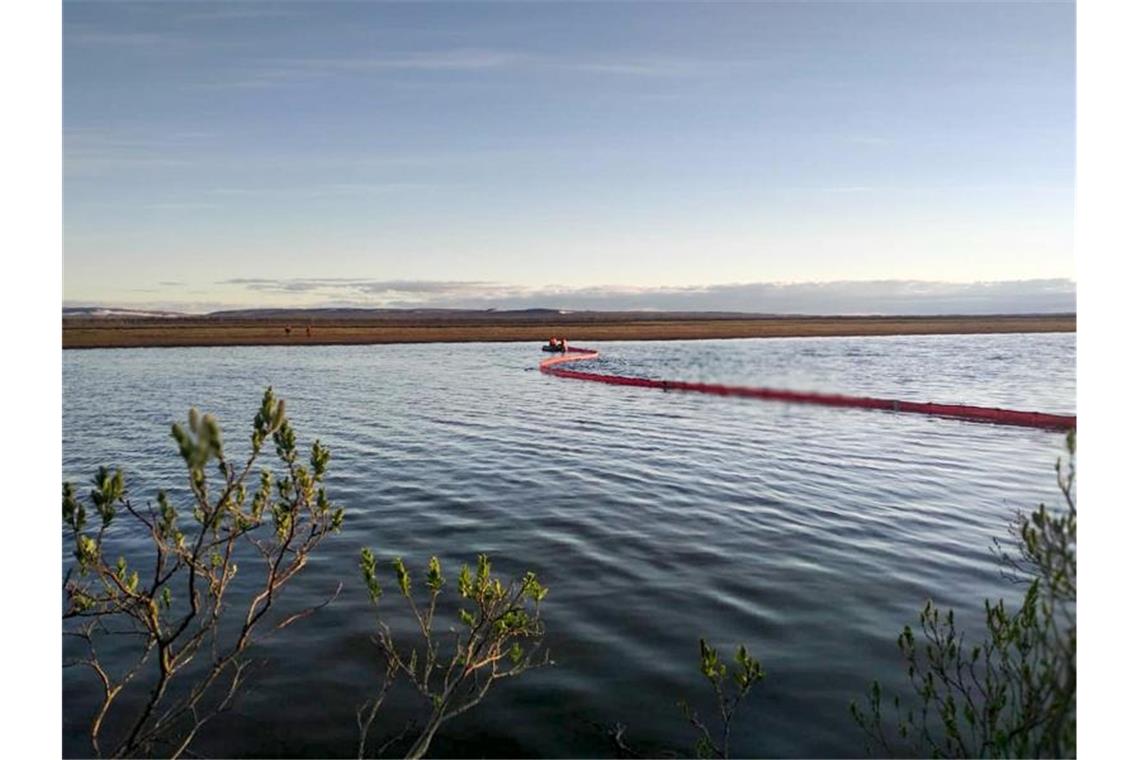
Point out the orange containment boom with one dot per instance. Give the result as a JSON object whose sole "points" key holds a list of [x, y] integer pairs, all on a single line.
{"points": [[957, 411]]}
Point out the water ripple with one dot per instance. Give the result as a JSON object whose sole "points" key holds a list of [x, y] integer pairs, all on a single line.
{"points": [[811, 534]]}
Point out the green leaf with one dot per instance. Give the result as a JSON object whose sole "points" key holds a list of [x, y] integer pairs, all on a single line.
{"points": [[368, 571], [403, 577], [434, 575]]}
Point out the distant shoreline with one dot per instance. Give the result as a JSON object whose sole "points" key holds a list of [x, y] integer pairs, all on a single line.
{"points": [[102, 332]]}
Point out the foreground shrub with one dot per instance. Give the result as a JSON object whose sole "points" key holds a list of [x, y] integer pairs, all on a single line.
{"points": [[184, 664], [730, 692], [499, 636], [1014, 694]]}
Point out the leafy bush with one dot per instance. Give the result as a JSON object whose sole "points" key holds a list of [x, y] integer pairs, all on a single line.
{"points": [[499, 636], [746, 674], [1014, 693], [172, 608]]}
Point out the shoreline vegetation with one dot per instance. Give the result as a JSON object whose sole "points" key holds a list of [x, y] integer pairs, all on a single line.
{"points": [[343, 327]]}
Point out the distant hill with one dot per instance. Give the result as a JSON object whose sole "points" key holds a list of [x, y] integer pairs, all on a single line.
{"points": [[404, 316], [351, 313]]}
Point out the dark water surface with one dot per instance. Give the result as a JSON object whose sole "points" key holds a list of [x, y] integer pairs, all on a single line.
{"points": [[810, 534]]}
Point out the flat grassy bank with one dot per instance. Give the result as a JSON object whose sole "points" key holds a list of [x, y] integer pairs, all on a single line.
{"points": [[101, 332]]}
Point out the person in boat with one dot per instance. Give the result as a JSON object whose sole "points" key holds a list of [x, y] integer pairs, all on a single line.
{"points": [[562, 345], [553, 343]]}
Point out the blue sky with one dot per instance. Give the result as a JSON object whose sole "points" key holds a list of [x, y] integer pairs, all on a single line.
{"points": [[614, 154]]}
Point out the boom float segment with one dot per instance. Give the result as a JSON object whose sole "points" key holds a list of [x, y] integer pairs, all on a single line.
{"points": [[958, 411]]}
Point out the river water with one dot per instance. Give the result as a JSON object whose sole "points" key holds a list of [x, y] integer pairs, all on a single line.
{"points": [[810, 534]]}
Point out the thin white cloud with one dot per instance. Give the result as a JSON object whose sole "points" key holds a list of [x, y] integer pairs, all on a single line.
{"points": [[180, 206], [104, 38], [247, 11], [90, 151], [446, 60], [845, 189], [344, 189], [92, 37], [644, 67], [288, 71], [869, 140]]}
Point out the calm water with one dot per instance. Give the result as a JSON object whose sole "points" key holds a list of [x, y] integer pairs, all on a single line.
{"points": [[810, 534]]}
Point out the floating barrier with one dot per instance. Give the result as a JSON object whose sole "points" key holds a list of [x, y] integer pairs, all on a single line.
{"points": [[958, 411]]}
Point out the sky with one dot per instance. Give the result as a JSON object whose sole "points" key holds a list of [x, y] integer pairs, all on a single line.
{"points": [[847, 157]]}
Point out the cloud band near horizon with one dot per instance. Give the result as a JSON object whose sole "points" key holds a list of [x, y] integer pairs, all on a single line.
{"points": [[888, 297]]}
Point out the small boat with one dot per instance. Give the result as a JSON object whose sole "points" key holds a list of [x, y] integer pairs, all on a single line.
{"points": [[553, 349]]}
